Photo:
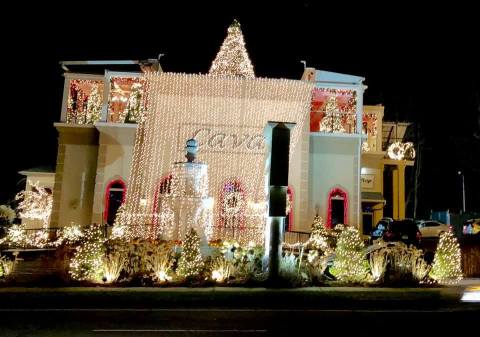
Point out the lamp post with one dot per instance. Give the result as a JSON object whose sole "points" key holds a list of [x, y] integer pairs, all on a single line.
{"points": [[460, 173]]}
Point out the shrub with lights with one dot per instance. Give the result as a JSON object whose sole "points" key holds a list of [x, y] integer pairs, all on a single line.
{"points": [[245, 260], [317, 249], [86, 263], [397, 263], [160, 262], [350, 264], [446, 267], [221, 269]]}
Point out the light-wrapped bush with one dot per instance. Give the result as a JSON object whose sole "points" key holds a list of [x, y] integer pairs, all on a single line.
{"points": [[112, 265], [289, 269], [137, 252], [397, 263], [87, 261], [447, 263], [378, 264], [246, 261], [221, 269], [316, 264], [350, 264]]}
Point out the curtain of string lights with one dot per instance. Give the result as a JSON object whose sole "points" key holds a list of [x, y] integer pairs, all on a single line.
{"points": [[227, 116]]}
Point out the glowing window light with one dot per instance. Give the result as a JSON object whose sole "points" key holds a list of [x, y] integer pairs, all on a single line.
{"points": [[85, 100], [126, 101]]}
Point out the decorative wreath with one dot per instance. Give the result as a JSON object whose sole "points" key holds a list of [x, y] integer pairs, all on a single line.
{"points": [[396, 151]]}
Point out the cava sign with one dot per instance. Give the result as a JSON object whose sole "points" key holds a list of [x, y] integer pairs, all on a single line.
{"points": [[223, 138]]}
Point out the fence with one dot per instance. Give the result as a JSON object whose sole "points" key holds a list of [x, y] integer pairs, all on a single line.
{"points": [[295, 237]]}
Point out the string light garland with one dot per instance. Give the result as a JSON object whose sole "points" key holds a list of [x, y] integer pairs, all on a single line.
{"points": [[227, 116], [232, 59]]}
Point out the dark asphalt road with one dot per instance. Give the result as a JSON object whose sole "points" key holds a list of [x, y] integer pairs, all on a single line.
{"points": [[237, 322], [235, 312]]}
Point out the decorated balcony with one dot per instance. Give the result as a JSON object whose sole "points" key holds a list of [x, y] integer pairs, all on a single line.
{"points": [[337, 102], [115, 97], [333, 110]]}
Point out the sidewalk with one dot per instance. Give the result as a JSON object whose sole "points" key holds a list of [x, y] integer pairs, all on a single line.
{"points": [[469, 282], [315, 297]]}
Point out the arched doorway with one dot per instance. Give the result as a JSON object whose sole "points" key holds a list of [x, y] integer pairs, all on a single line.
{"points": [[337, 207], [114, 198]]}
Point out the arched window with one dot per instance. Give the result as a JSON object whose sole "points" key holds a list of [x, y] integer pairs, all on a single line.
{"points": [[289, 218], [337, 207], [114, 198], [232, 206]]}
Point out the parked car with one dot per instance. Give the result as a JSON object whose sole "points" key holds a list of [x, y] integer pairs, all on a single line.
{"points": [[403, 230], [432, 228], [380, 228], [471, 227]]}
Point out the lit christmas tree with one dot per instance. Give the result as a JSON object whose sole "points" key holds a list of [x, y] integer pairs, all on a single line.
{"points": [[134, 110], [191, 261], [319, 236], [332, 121], [446, 266], [232, 59], [350, 264], [94, 106]]}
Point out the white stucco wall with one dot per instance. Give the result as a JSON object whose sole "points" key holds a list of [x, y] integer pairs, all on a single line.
{"points": [[333, 163]]}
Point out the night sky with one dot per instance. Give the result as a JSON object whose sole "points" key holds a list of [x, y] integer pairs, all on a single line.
{"points": [[422, 64]]}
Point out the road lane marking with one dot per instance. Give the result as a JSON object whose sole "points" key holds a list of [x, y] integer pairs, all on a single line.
{"points": [[179, 330]]}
